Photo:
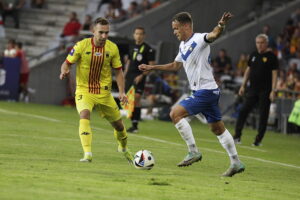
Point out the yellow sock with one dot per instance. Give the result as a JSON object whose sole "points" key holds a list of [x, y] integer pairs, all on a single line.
{"points": [[85, 134], [121, 137]]}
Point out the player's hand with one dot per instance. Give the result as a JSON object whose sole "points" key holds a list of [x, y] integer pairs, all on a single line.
{"points": [[123, 98], [144, 67], [225, 18], [138, 79], [272, 95], [242, 91], [64, 73]]}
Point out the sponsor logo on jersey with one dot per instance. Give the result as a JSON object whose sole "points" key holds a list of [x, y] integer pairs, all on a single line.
{"points": [[98, 54], [265, 59], [72, 52]]}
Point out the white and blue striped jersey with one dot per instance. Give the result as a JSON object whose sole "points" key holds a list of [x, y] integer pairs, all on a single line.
{"points": [[195, 56]]}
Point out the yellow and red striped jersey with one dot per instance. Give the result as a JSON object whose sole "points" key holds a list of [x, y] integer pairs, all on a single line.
{"points": [[93, 70]]}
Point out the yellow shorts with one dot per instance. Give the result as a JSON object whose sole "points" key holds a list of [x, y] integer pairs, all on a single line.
{"points": [[103, 103]]}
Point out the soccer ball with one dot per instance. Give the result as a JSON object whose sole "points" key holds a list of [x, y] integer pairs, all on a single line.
{"points": [[144, 159]]}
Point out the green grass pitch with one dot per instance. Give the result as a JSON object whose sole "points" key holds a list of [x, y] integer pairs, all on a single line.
{"points": [[40, 152]]}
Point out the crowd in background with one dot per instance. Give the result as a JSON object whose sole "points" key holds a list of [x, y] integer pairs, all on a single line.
{"points": [[285, 45]]}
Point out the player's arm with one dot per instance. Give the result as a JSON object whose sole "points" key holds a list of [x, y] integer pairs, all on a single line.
{"points": [[174, 66], [218, 30], [245, 81], [121, 84], [274, 83], [65, 70], [143, 74]]}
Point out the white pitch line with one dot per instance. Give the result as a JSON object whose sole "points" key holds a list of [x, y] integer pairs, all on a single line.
{"points": [[153, 139], [29, 115], [239, 146]]}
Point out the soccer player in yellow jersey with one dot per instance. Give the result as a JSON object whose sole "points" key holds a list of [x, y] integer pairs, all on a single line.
{"points": [[95, 57]]}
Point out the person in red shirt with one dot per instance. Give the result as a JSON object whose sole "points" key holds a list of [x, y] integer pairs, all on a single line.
{"points": [[24, 72], [71, 30]]}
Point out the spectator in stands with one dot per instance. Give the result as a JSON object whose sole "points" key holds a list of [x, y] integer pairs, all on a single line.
{"points": [[295, 41], [70, 31], [161, 93], [222, 63], [242, 62], [24, 73], [295, 60], [10, 50], [2, 30], [72, 27], [145, 5], [38, 4], [295, 16], [87, 25], [133, 10], [156, 3], [281, 84], [266, 30], [262, 75], [11, 8], [115, 12], [292, 73]]}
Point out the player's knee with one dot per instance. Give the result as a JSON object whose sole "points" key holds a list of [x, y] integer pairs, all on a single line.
{"points": [[85, 114], [217, 128], [175, 116], [119, 126]]}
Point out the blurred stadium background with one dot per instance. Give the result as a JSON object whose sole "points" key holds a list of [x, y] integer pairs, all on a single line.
{"points": [[46, 35]]}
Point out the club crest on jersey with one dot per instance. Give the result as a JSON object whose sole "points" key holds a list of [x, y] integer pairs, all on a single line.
{"points": [[98, 54], [139, 57], [265, 59], [189, 51], [107, 54], [72, 52]]}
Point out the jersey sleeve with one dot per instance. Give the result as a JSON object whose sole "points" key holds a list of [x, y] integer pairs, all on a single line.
{"points": [[116, 61], [75, 53], [274, 62], [178, 58]]}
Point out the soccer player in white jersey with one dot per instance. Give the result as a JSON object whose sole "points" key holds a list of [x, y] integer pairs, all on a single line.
{"points": [[193, 55]]}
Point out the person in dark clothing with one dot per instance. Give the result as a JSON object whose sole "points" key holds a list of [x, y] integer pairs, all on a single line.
{"points": [[140, 53], [262, 75], [11, 8]]}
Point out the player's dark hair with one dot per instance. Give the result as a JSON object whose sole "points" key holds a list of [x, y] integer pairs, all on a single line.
{"points": [[183, 18], [101, 21], [140, 28]]}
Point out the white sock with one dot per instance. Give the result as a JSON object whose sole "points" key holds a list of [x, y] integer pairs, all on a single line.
{"points": [[88, 154], [227, 142], [186, 133]]}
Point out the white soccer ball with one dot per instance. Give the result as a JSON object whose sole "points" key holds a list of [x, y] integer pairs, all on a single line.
{"points": [[144, 159]]}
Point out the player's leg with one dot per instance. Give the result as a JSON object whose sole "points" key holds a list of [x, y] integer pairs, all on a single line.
{"points": [[226, 140], [250, 102], [84, 106], [178, 114], [264, 108], [211, 111], [111, 112]]}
